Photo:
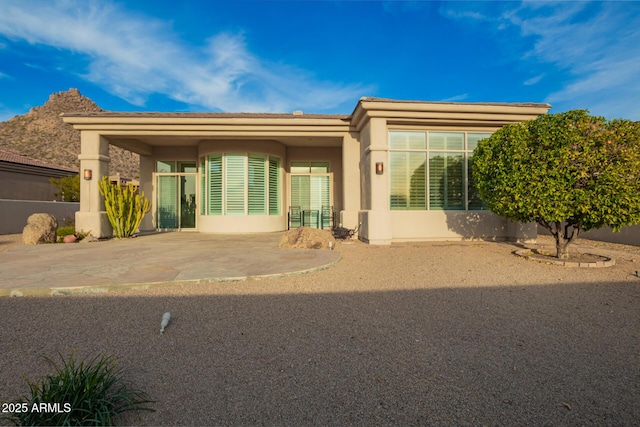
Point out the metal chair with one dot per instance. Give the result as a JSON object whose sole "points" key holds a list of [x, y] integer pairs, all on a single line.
{"points": [[327, 216], [294, 217]]}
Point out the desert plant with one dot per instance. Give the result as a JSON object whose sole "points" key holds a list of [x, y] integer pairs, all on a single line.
{"points": [[125, 207], [92, 392]]}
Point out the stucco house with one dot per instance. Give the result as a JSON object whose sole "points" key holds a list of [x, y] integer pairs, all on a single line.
{"points": [[398, 168]]}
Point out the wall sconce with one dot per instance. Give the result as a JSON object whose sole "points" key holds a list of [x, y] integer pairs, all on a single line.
{"points": [[88, 174], [379, 168]]}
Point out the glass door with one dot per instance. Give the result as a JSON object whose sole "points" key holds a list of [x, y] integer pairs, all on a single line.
{"points": [[312, 194], [176, 195]]}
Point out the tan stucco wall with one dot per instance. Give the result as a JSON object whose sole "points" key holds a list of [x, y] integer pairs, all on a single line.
{"points": [[457, 225], [629, 235]]}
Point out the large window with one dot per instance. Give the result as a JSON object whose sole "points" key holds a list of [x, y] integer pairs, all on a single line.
{"points": [[241, 184], [431, 170]]}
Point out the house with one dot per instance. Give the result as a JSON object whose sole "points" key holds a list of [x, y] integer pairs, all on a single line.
{"points": [[398, 168], [25, 178], [25, 189]]}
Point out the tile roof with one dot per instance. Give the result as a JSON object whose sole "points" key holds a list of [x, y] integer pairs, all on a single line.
{"points": [[11, 156]]}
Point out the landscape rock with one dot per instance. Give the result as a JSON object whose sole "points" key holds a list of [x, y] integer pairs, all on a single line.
{"points": [[307, 238], [89, 239], [40, 228]]}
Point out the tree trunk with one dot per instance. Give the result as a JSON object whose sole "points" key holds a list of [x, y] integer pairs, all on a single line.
{"points": [[562, 248]]}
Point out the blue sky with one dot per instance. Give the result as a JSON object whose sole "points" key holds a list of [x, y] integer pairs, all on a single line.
{"points": [[319, 56]]}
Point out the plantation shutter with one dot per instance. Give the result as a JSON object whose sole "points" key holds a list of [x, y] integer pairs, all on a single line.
{"points": [[300, 191], [235, 172], [274, 186], [167, 213], [215, 185], [408, 181], [257, 185], [446, 190]]}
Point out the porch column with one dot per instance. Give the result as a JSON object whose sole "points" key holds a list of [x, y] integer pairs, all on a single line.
{"points": [[350, 181], [377, 220], [94, 156]]}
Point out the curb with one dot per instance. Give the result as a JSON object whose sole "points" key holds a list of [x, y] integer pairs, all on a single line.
{"points": [[98, 289], [529, 254]]}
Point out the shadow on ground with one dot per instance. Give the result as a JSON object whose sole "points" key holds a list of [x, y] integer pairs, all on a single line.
{"points": [[503, 355]]}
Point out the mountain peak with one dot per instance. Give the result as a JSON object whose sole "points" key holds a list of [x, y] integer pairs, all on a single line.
{"points": [[43, 135]]}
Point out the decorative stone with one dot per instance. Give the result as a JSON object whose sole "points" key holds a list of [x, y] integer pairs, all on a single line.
{"points": [[307, 238], [89, 239], [40, 228], [70, 239]]}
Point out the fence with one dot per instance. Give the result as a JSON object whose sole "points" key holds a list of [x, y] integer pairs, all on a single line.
{"points": [[14, 213]]}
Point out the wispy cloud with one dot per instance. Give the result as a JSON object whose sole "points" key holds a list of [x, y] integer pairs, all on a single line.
{"points": [[456, 98], [600, 48], [595, 45], [135, 56], [533, 80]]}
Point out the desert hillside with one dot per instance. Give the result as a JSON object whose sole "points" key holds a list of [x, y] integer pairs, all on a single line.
{"points": [[43, 135]]}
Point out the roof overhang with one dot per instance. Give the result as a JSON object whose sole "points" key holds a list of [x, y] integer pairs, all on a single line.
{"points": [[444, 113], [140, 131]]}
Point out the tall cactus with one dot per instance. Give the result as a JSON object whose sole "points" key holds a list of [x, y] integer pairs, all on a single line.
{"points": [[125, 207]]}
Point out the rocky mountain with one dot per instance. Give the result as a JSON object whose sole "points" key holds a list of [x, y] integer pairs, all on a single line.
{"points": [[43, 135]]}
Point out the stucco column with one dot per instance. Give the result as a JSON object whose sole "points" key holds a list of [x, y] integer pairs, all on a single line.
{"points": [[376, 221], [350, 180], [94, 156]]}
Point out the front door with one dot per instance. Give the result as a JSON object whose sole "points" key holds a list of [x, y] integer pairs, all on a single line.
{"points": [[176, 196]]}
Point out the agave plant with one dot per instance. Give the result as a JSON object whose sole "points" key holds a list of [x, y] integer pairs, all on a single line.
{"points": [[92, 392]]}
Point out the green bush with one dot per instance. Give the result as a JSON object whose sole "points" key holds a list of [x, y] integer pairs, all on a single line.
{"points": [[66, 231], [92, 392]]}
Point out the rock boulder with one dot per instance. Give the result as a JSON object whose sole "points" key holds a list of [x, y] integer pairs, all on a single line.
{"points": [[307, 238], [40, 228]]}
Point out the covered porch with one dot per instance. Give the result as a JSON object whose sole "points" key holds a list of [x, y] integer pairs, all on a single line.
{"points": [[223, 172]]}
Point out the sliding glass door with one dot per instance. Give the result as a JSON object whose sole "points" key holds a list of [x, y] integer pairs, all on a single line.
{"points": [[176, 196]]}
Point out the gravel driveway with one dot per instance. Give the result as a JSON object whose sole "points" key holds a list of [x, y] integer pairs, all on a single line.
{"points": [[435, 333]]}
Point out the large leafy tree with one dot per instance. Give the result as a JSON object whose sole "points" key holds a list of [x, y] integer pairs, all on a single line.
{"points": [[569, 172]]}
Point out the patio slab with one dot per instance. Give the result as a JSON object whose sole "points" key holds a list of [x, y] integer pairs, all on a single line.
{"points": [[161, 259]]}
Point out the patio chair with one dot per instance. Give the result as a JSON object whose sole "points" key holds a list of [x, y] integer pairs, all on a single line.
{"points": [[294, 217]]}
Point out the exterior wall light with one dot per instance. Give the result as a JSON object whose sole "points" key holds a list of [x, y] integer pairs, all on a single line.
{"points": [[88, 174], [379, 168]]}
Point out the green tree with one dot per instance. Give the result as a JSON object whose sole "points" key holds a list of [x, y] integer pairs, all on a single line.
{"points": [[569, 172], [68, 187]]}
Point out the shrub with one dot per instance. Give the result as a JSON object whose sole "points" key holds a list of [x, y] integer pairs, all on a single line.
{"points": [[65, 231], [92, 392]]}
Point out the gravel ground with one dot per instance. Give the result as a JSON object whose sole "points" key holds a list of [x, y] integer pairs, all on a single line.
{"points": [[438, 333]]}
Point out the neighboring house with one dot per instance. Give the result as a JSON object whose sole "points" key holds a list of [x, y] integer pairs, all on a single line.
{"points": [[398, 168], [25, 189], [25, 178]]}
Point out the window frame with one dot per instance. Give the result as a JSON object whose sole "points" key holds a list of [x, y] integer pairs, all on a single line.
{"points": [[427, 152], [223, 178]]}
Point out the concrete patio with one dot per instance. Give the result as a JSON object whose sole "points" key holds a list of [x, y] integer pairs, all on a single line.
{"points": [[162, 259]]}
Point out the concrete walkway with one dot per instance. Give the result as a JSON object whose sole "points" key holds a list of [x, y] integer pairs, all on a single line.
{"points": [[161, 259]]}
